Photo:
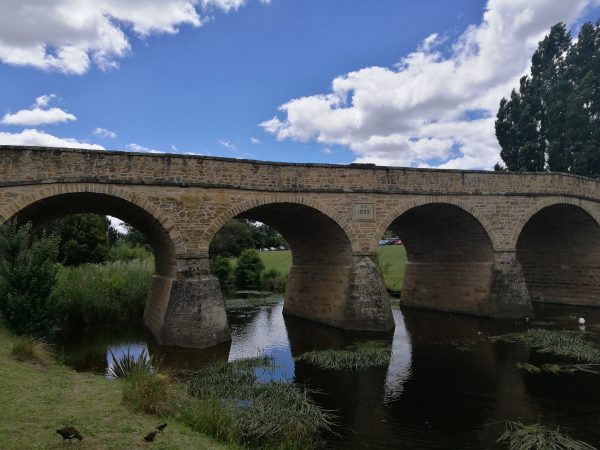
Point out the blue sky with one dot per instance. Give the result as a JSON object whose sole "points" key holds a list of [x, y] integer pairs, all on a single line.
{"points": [[336, 81]]}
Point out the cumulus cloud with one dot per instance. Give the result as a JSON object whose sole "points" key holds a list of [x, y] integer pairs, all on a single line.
{"points": [[255, 141], [38, 115], [33, 137], [70, 35], [103, 132], [434, 108]]}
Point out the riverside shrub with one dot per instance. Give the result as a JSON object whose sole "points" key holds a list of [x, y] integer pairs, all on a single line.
{"points": [[27, 275]]}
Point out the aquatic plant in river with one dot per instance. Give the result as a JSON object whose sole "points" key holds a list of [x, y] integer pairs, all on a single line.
{"points": [[233, 406], [356, 358], [537, 437]]}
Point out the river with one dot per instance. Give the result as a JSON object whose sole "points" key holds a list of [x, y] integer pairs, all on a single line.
{"points": [[446, 387]]}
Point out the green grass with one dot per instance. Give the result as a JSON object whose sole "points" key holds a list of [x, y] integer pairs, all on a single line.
{"points": [[392, 259], [101, 293], [537, 437], [280, 260], [36, 401]]}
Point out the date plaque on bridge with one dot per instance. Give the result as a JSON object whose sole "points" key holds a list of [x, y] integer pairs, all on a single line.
{"points": [[363, 211]]}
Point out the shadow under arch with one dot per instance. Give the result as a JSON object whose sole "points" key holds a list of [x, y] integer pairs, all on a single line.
{"points": [[450, 259], [326, 282], [559, 250], [57, 205]]}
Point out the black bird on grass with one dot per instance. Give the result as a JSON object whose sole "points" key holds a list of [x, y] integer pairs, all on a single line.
{"points": [[161, 427], [69, 433], [150, 436]]}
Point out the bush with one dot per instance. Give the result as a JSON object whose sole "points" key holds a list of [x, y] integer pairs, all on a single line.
{"points": [[100, 293], [248, 269], [220, 267], [27, 275], [273, 280]]}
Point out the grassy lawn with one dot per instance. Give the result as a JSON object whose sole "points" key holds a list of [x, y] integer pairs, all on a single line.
{"points": [[392, 259], [38, 400], [280, 260]]}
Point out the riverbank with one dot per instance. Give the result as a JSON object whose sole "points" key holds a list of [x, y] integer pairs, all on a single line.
{"points": [[36, 400]]}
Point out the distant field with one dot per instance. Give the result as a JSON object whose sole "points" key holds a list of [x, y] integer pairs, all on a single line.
{"points": [[391, 261]]}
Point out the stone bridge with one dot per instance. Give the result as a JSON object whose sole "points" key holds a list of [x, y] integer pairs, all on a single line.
{"points": [[477, 242]]}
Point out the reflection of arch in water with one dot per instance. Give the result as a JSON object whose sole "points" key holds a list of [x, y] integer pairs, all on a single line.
{"points": [[326, 282], [559, 250], [450, 258], [55, 202]]}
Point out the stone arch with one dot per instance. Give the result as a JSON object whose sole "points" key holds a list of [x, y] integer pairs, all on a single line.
{"points": [[387, 220], [450, 258], [326, 282], [57, 200], [521, 221], [247, 205], [559, 250]]}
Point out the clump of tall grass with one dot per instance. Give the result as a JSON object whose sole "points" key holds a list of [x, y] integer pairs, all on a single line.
{"points": [[100, 293], [357, 358], [30, 349], [558, 343], [146, 387], [234, 407], [124, 365], [150, 392], [537, 437]]}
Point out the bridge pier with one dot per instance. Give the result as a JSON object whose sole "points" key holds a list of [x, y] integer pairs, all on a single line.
{"points": [[347, 297], [187, 311], [484, 288], [509, 297]]}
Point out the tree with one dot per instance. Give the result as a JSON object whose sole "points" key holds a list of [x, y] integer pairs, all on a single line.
{"points": [[248, 269], [84, 239], [28, 272], [551, 123], [232, 239]]}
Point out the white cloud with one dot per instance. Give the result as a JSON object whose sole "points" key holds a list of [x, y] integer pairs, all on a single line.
{"points": [[43, 100], [38, 115], [140, 148], [254, 140], [69, 35], [33, 137], [103, 132], [228, 145], [418, 113]]}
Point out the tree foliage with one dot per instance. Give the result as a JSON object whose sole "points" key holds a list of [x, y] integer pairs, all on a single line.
{"points": [[237, 235], [553, 121], [28, 271], [84, 239]]}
